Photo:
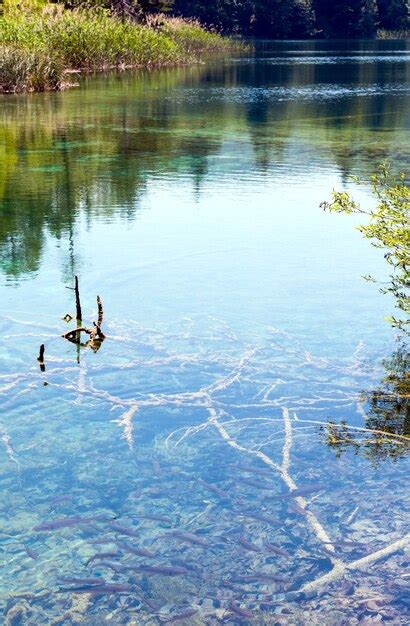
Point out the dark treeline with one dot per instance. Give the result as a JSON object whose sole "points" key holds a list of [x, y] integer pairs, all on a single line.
{"points": [[284, 18]]}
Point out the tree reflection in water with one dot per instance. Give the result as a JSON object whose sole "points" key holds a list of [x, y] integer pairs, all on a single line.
{"points": [[388, 413]]}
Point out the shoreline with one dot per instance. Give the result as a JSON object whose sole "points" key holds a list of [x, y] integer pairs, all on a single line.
{"points": [[38, 51], [105, 69]]}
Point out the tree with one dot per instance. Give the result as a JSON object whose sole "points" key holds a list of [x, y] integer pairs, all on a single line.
{"points": [[368, 22], [346, 18], [259, 18], [283, 18], [388, 414], [390, 401], [136, 9], [393, 14], [222, 14]]}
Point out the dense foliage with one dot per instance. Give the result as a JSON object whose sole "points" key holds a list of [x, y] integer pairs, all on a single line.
{"points": [[388, 229], [267, 18], [283, 18]]}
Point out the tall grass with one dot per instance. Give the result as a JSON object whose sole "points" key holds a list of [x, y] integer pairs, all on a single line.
{"points": [[190, 35], [383, 33], [28, 70], [90, 40]]}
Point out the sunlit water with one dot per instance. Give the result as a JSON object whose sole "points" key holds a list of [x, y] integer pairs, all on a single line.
{"points": [[242, 355]]}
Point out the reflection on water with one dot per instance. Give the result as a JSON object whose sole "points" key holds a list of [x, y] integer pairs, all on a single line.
{"points": [[92, 152], [235, 451]]}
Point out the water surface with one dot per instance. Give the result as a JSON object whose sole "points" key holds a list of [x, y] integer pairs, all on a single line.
{"points": [[244, 358]]}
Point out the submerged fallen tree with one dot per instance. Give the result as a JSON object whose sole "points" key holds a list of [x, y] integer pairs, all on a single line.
{"points": [[39, 49]]}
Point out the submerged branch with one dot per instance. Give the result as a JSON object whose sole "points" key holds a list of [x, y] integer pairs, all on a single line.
{"points": [[282, 470], [343, 568]]}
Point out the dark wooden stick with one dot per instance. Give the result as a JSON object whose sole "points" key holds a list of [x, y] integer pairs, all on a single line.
{"points": [[100, 311], [74, 333], [77, 300], [98, 331], [40, 358]]}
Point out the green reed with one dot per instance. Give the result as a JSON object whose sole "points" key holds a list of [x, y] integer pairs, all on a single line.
{"points": [[61, 39], [383, 33], [23, 69]]}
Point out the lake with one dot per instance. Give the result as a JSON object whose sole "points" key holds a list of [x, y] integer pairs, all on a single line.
{"points": [[231, 451]]}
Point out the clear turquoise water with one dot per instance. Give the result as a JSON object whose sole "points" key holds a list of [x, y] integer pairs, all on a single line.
{"points": [[237, 327]]}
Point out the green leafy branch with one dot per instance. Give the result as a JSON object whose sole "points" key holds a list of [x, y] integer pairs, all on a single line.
{"points": [[387, 228]]}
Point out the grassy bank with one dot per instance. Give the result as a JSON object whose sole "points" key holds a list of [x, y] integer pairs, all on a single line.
{"points": [[382, 33], [38, 48]]}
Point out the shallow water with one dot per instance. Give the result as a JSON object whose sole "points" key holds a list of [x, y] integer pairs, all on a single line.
{"points": [[244, 357]]}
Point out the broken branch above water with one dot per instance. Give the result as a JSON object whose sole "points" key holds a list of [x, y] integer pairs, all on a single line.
{"points": [[100, 311], [40, 358], [77, 300], [72, 335]]}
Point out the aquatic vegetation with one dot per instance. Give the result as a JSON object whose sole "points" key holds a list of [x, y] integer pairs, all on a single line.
{"points": [[388, 229]]}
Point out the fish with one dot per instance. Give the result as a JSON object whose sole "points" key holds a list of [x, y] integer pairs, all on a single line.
{"points": [[134, 550], [100, 589], [83, 582], [177, 618], [267, 519], [245, 578], [123, 530], [239, 591], [31, 553], [165, 570], [301, 491], [275, 549], [235, 608], [118, 568], [189, 537], [248, 545], [63, 522], [253, 470], [102, 555], [219, 492], [294, 507], [254, 483]]}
